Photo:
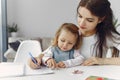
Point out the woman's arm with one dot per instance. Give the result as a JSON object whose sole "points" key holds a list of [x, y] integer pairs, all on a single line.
{"points": [[114, 61], [102, 61]]}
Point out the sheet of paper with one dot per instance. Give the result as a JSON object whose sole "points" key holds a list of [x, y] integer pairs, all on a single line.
{"points": [[18, 69], [42, 70], [11, 69]]}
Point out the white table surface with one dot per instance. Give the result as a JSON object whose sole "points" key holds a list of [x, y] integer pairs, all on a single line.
{"points": [[66, 74]]}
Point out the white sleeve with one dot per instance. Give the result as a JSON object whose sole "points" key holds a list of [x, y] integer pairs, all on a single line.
{"points": [[47, 54], [115, 42], [78, 59]]}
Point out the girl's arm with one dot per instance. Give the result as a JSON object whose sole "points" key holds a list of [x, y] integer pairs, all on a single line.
{"points": [[48, 58], [78, 59], [47, 55]]}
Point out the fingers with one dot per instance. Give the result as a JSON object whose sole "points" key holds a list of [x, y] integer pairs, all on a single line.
{"points": [[51, 63], [89, 62], [38, 61], [61, 65], [33, 65]]}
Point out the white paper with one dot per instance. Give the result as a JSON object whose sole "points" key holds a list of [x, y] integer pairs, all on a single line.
{"points": [[42, 70], [19, 69], [11, 69]]}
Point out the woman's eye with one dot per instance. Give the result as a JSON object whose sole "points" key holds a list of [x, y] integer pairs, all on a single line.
{"points": [[90, 21]]}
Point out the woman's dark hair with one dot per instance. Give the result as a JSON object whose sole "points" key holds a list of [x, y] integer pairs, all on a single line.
{"points": [[101, 9]]}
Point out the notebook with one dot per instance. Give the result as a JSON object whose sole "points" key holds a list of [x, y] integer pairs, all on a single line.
{"points": [[18, 69]]}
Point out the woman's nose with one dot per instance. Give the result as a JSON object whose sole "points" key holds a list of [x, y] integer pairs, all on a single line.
{"points": [[82, 22]]}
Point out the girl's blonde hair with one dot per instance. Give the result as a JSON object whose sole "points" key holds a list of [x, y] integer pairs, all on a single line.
{"points": [[71, 28]]}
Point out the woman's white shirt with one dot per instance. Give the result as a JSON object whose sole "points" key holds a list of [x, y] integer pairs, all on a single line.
{"points": [[87, 50], [87, 47]]}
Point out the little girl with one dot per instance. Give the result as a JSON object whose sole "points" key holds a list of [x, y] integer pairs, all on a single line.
{"points": [[64, 50]]}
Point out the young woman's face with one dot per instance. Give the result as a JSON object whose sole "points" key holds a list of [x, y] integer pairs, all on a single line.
{"points": [[66, 40], [87, 22]]}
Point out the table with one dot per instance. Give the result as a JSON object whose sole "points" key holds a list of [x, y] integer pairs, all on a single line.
{"points": [[109, 71]]}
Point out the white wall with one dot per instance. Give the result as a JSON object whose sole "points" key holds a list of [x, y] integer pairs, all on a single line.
{"points": [[115, 5], [39, 18]]}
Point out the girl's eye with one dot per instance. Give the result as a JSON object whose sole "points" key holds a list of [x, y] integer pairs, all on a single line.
{"points": [[79, 16], [70, 43], [62, 40]]}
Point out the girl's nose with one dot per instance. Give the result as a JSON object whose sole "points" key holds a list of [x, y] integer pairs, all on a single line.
{"points": [[65, 45]]}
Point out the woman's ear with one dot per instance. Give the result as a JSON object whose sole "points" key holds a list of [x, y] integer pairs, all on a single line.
{"points": [[101, 19]]}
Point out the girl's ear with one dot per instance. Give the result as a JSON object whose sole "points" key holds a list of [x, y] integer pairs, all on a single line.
{"points": [[101, 19]]}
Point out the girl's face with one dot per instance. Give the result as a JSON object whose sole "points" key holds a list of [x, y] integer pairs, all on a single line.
{"points": [[66, 40], [87, 22]]}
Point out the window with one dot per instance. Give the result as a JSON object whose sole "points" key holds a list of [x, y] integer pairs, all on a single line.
{"points": [[3, 30]]}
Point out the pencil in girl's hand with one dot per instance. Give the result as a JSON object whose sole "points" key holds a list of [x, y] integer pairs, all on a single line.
{"points": [[33, 59]]}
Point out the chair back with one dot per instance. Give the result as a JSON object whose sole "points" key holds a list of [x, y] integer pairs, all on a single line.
{"points": [[26, 47]]}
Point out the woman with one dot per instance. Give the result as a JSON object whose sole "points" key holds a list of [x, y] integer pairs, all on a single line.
{"points": [[95, 20]]}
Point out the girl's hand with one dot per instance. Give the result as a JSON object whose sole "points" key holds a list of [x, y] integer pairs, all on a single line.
{"points": [[51, 63], [39, 61], [33, 65], [93, 61], [61, 65]]}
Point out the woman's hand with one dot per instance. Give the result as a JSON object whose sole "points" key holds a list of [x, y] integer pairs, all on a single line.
{"points": [[61, 65], [93, 61], [51, 63]]}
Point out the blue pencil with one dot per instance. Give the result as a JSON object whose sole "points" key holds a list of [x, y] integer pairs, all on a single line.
{"points": [[33, 59]]}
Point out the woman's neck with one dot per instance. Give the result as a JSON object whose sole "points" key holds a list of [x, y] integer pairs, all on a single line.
{"points": [[87, 34]]}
